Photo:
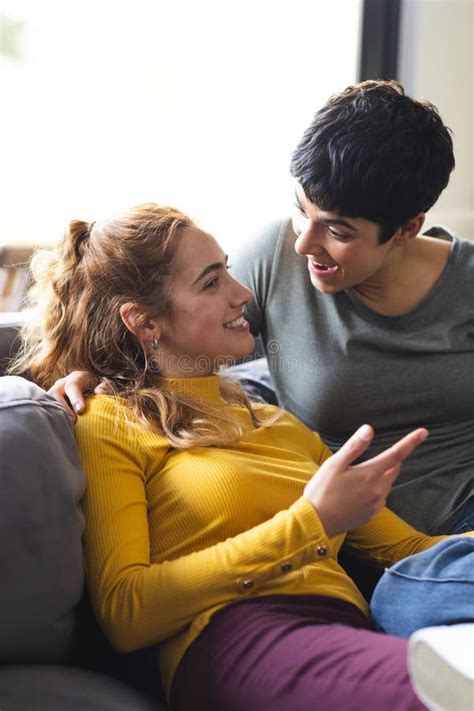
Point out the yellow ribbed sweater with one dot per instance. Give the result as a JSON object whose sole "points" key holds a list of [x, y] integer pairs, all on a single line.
{"points": [[172, 535]]}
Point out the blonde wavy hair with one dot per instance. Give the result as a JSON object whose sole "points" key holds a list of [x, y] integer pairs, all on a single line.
{"points": [[75, 323]]}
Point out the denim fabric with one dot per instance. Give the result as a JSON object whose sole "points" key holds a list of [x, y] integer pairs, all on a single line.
{"points": [[466, 520], [435, 587]]}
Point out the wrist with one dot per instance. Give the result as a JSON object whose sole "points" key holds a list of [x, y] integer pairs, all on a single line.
{"points": [[327, 521]]}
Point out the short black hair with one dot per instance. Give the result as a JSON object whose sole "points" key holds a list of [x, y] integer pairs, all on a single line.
{"points": [[374, 152]]}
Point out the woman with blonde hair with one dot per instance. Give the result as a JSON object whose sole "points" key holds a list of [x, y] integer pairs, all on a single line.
{"points": [[213, 524]]}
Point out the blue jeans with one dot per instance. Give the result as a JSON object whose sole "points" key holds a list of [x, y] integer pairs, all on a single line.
{"points": [[466, 520], [434, 587]]}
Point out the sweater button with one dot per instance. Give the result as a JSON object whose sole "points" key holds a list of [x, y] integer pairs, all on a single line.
{"points": [[321, 551], [286, 567], [247, 584]]}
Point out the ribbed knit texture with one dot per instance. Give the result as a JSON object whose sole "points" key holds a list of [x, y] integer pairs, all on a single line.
{"points": [[173, 535]]}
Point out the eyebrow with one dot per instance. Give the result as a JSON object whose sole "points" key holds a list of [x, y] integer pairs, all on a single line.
{"points": [[338, 221], [210, 268], [330, 220]]}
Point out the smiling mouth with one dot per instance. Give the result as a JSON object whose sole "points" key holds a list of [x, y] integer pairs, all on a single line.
{"points": [[236, 323], [323, 268]]}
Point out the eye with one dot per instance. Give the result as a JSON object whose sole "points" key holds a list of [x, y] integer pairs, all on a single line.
{"points": [[340, 236], [212, 283]]}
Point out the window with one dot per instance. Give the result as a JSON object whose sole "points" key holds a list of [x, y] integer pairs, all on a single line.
{"points": [[195, 104]]}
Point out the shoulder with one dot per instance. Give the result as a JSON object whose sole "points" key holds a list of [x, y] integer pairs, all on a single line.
{"points": [[299, 437], [461, 271], [108, 417], [100, 408], [274, 234], [109, 429], [263, 245], [287, 420], [466, 255], [460, 252], [449, 258]]}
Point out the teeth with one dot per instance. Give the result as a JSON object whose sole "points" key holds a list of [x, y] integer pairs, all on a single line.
{"points": [[235, 323], [323, 266]]}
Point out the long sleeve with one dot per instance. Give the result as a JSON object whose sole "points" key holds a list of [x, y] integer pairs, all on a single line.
{"points": [[138, 602], [387, 539]]}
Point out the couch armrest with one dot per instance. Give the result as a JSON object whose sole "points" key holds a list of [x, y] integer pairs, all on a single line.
{"points": [[10, 324], [41, 525]]}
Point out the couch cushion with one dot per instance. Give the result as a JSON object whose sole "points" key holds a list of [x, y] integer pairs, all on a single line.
{"points": [[10, 324], [41, 524], [52, 688]]}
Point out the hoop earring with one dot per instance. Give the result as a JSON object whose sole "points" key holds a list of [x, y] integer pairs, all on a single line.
{"points": [[154, 343]]}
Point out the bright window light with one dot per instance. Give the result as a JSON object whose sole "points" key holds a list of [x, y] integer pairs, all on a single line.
{"points": [[196, 104]]}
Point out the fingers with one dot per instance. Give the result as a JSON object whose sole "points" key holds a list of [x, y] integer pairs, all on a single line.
{"points": [[75, 396], [391, 474], [75, 384], [66, 404], [354, 447], [69, 391], [394, 455]]}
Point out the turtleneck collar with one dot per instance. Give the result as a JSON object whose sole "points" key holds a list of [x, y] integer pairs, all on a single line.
{"points": [[204, 389]]}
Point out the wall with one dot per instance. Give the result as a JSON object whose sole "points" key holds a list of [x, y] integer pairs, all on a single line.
{"points": [[436, 63]]}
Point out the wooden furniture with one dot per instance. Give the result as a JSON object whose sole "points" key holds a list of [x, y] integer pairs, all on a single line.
{"points": [[14, 276]]}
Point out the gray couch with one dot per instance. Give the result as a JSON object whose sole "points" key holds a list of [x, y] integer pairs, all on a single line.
{"points": [[53, 656]]}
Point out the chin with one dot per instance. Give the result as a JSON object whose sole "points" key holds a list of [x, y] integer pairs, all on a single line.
{"points": [[249, 347], [245, 349], [327, 288]]}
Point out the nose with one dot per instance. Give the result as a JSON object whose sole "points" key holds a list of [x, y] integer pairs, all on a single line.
{"points": [[308, 240], [241, 294]]}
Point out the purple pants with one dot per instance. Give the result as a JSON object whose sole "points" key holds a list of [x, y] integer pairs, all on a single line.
{"points": [[293, 653]]}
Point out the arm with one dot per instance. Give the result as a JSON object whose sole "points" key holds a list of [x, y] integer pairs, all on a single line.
{"points": [[387, 538], [139, 602]]}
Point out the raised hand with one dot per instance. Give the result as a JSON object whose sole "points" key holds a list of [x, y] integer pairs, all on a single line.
{"points": [[346, 496]]}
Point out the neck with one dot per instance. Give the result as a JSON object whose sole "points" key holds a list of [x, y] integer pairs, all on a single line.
{"points": [[380, 290], [407, 275], [184, 366]]}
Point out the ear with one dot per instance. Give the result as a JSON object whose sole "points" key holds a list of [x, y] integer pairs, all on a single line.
{"points": [[409, 230], [132, 316]]}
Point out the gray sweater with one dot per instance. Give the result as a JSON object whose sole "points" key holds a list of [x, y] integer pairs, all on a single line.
{"points": [[337, 364]]}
